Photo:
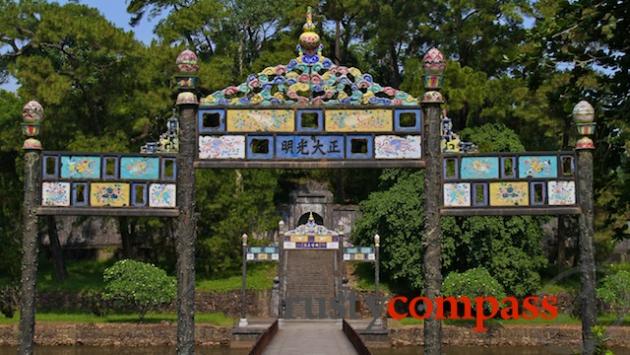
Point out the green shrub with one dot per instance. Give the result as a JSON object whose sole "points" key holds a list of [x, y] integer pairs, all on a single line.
{"points": [[472, 283], [138, 285], [601, 339], [615, 291]]}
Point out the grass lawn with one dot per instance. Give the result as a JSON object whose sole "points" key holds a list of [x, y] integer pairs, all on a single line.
{"points": [[218, 319], [259, 277], [362, 278], [88, 276]]}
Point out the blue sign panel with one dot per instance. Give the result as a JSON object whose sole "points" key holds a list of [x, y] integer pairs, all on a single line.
{"points": [[537, 166], [140, 168], [80, 167], [480, 168], [309, 147]]}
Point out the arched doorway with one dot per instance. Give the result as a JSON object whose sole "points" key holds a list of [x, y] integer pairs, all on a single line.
{"points": [[304, 219]]}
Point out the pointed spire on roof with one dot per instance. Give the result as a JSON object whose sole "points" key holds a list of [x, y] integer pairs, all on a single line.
{"points": [[309, 39]]}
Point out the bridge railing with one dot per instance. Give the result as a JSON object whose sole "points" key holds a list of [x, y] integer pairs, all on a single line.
{"points": [[355, 339], [265, 339]]}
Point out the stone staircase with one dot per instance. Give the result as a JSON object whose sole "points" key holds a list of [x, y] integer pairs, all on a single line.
{"points": [[310, 275]]}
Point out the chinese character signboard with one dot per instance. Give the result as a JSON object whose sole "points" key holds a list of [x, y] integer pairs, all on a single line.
{"points": [[301, 135]]}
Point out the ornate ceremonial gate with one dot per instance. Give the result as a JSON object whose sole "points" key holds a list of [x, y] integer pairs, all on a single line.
{"points": [[310, 113]]}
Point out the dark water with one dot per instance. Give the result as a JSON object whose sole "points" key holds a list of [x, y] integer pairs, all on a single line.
{"points": [[158, 350]]}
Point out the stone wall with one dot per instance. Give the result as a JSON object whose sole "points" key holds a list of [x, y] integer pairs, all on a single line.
{"points": [[164, 334], [512, 335], [122, 334]]}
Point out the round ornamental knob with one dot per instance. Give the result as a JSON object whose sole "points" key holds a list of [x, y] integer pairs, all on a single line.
{"points": [[583, 112], [434, 62], [33, 112], [187, 62]]}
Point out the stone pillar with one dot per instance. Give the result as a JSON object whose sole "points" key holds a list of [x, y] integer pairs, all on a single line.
{"points": [[584, 116], [32, 115], [432, 100], [186, 224]]}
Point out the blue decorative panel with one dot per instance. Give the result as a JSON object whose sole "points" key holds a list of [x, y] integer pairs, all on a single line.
{"points": [[364, 142], [264, 145], [309, 147], [210, 121], [538, 166], [320, 121], [80, 167], [480, 168], [140, 168], [416, 128]]}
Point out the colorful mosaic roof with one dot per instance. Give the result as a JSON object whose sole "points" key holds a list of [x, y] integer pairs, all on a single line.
{"points": [[311, 228], [310, 80]]}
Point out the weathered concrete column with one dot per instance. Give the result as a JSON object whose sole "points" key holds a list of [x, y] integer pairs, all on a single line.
{"points": [[584, 115], [32, 115], [432, 100], [186, 224]]}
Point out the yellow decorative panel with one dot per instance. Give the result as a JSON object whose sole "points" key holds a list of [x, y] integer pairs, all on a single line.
{"points": [[260, 121], [113, 194], [359, 120], [323, 239], [299, 238], [509, 194]]}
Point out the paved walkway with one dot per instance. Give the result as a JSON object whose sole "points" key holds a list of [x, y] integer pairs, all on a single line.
{"points": [[321, 337]]}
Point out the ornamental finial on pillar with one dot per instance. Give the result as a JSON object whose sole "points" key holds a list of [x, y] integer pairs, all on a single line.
{"points": [[32, 117], [584, 117], [187, 62], [434, 65], [187, 65], [309, 39]]}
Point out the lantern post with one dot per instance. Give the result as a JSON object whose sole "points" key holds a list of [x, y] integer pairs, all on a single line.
{"points": [[243, 321], [584, 116], [377, 244], [32, 116]]}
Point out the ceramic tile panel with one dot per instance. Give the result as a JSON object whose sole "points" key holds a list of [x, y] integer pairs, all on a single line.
{"points": [[479, 168], [509, 194], [162, 195], [457, 195], [260, 121], [561, 193], [80, 167], [140, 168], [222, 147], [538, 166], [111, 194], [398, 147], [56, 194], [359, 120]]}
